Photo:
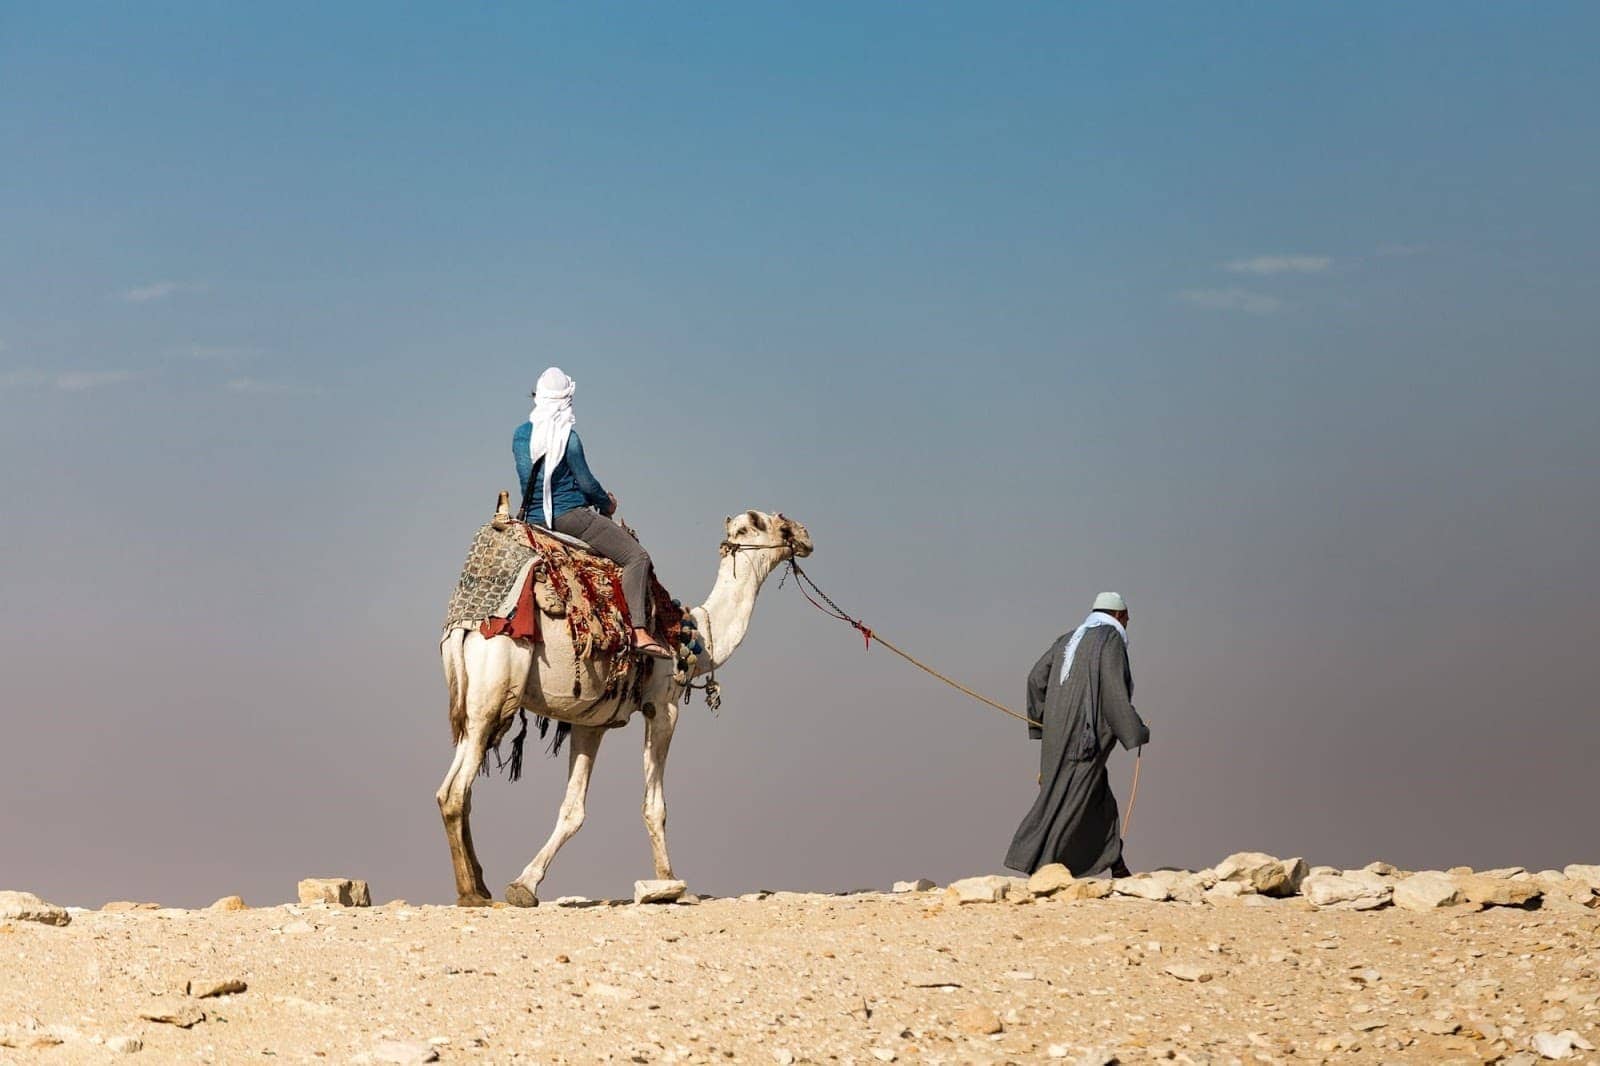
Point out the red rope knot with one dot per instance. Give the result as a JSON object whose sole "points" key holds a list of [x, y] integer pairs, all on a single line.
{"points": [[866, 633]]}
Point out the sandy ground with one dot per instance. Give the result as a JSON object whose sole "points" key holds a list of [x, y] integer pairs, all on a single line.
{"points": [[791, 978]]}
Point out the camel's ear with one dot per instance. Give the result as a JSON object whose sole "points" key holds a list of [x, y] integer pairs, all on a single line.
{"points": [[727, 524]]}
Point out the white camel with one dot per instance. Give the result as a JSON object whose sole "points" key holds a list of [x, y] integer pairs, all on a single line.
{"points": [[491, 679]]}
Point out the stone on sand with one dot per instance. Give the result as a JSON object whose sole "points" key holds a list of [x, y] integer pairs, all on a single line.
{"points": [[1427, 891], [1496, 891], [229, 903], [1049, 879], [26, 907], [1346, 892], [979, 1021], [658, 891], [1589, 875], [1268, 875], [1157, 885], [211, 987], [990, 889], [339, 891], [921, 884]]}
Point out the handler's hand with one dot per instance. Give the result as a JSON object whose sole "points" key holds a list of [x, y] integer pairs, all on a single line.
{"points": [[613, 498]]}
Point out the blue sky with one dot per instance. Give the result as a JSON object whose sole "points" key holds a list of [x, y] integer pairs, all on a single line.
{"points": [[1281, 320]]}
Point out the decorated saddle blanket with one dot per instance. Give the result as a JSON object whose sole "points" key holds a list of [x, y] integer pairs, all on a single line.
{"points": [[518, 577]]}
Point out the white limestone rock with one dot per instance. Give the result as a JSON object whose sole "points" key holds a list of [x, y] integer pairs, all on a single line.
{"points": [[1428, 890], [658, 891], [26, 907], [1346, 892], [921, 884], [339, 891], [1266, 874]]}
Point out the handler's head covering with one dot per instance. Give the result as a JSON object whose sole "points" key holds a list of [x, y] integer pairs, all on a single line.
{"points": [[552, 420], [1110, 601]]}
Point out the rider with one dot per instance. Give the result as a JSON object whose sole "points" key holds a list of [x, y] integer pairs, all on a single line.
{"points": [[571, 500]]}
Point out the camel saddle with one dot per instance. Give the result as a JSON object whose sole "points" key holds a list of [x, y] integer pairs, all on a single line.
{"points": [[517, 572]]}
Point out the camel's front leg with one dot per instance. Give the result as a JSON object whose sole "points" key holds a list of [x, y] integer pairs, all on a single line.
{"points": [[584, 744], [657, 739]]}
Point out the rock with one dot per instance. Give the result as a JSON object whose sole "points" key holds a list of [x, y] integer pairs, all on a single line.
{"points": [[1056, 1051], [658, 891], [211, 987], [921, 884], [1345, 892], [783, 1056], [229, 903], [1190, 971], [403, 1053], [183, 1015], [1050, 879], [1156, 885], [1589, 875], [1084, 888], [979, 1021], [339, 891], [1191, 889], [1504, 872], [1496, 891], [26, 907], [123, 906], [1269, 876], [125, 1045], [991, 889], [1427, 891], [1228, 891], [1097, 1056], [1382, 869], [1321, 870], [1559, 1045]]}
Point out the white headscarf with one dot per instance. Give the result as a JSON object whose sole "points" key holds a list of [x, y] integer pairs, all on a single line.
{"points": [[552, 423]]}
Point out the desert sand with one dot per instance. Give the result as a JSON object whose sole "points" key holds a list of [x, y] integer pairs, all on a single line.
{"points": [[787, 977]]}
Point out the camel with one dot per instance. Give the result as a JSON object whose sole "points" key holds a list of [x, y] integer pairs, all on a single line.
{"points": [[491, 679]]}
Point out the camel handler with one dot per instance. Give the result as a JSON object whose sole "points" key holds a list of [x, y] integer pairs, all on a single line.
{"points": [[1082, 692], [570, 500]]}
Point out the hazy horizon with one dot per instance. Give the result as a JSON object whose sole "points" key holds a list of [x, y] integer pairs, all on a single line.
{"points": [[1279, 321]]}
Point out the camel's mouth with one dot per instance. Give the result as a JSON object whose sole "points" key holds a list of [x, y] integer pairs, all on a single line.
{"points": [[798, 537]]}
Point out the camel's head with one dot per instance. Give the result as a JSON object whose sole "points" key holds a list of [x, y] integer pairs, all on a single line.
{"points": [[754, 530]]}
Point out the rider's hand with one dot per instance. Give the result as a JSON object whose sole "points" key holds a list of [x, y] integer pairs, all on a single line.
{"points": [[613, 498]]}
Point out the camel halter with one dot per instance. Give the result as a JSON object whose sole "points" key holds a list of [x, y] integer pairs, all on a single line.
{"points": [[802, 580]]}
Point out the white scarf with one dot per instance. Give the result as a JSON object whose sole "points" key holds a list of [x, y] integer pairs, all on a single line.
{"points": [[552, 420], [1096, 618]]}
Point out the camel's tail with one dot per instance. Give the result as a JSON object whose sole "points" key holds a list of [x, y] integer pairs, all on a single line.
{"points": [[452, 655]]}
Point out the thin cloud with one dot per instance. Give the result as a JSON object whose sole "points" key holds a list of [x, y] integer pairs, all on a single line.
{"points": [[1269, 265], [226, 355], [1251, 303], [257, 387], [158, 290], [82, 380], [18, 378], [69, 381]]}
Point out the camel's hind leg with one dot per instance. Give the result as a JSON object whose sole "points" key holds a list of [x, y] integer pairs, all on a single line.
{"points": [[488, 680], [584, 744], [455, 804], [657, 739]]}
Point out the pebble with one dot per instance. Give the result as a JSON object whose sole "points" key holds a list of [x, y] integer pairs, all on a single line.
{"points": [[125, 1045], [402, 1053], [921, 884], [1190, 971], [183, 1015], [229, 903], [979, 1021], [211, 987]]}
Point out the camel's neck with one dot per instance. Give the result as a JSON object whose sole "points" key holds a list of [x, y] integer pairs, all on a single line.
{"points": [[725, 615]]}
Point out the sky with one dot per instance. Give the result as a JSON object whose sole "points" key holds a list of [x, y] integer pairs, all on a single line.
{"points": [[1278, 320]]}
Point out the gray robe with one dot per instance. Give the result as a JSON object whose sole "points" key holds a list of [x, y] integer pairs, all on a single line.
{"points": [[1074, 820]]}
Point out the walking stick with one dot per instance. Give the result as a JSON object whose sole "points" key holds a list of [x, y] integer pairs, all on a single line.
{"points": [[1133, 794]]}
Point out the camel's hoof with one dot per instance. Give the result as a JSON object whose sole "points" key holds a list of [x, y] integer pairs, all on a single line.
{"points": [[473, 901], [518, 896]]}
